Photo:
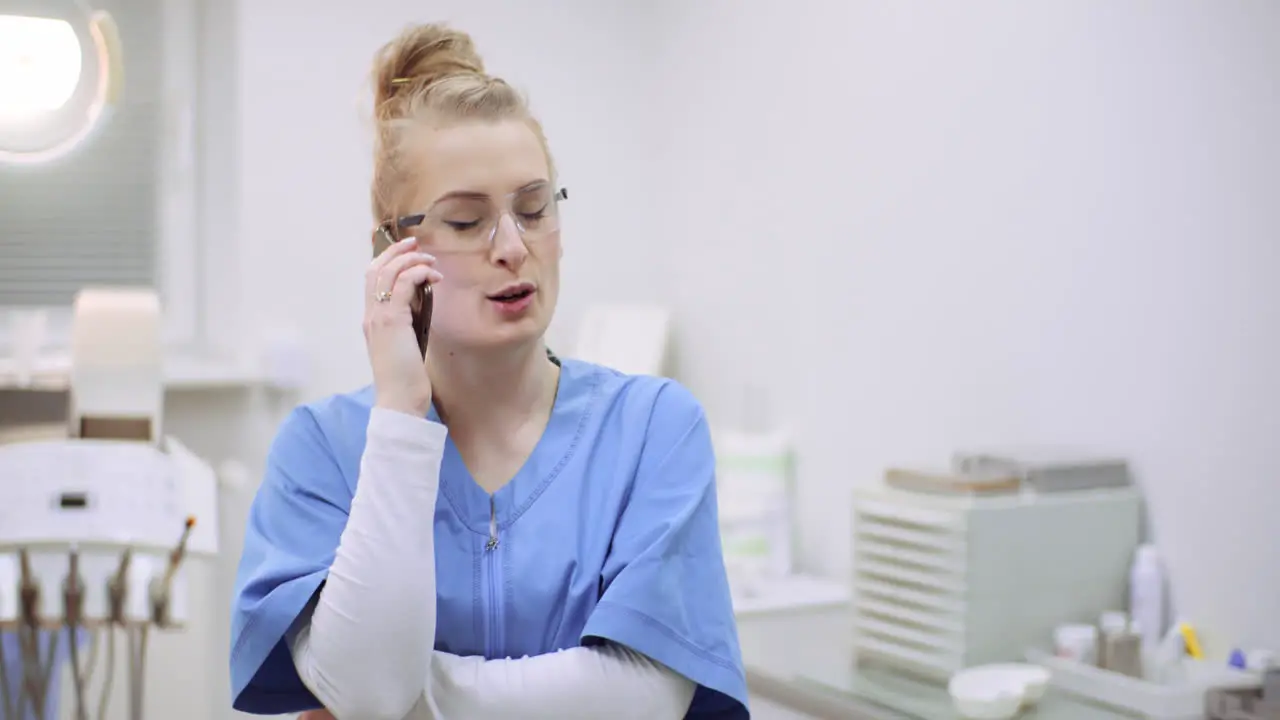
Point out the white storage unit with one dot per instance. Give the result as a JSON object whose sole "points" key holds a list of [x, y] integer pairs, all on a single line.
{"points": [[788, 630], [942, 583]]}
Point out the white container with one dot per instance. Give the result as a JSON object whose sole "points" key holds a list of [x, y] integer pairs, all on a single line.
{"points": [[997, 692], [1076, 642], [1112, 622], [753, 488], [786, 630], [1146, 595]]}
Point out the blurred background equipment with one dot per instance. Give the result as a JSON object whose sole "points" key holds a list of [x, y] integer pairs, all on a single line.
{"points": [[943, 583], [95, 525]]}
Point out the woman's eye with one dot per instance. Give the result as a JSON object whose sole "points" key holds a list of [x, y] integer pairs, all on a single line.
{"points": [[462, 225], [535, 214]]}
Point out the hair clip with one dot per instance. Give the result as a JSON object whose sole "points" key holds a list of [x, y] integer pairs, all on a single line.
{"points": [[401, 81]]}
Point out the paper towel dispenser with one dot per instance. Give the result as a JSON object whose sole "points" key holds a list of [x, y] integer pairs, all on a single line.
{"points": [[117, 374]]}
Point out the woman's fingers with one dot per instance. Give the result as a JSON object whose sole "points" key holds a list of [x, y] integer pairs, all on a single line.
{"points": [[408, 281], [396, 250], [389, 276]]}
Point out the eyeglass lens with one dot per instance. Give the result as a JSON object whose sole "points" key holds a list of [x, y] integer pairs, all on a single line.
{"points": [[472, 222]]}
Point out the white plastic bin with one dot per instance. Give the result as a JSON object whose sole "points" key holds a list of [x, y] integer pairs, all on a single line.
{"points": [[1144, 699]]}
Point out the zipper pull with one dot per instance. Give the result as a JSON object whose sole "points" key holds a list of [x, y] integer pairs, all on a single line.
{"points": [[492, 543]]}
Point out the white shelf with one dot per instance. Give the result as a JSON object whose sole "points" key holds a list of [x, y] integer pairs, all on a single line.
{"points": [[184, 371], [798, 592]]}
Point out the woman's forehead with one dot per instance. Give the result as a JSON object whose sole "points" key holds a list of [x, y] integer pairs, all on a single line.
{"points": [[491, 158]]}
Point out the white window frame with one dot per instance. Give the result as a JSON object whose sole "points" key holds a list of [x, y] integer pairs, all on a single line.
{"points": [[178, 277], [178, 255]]}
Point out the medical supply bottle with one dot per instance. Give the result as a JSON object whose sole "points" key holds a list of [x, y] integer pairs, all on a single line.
{"points": [[754, 459], [1146, 595]]}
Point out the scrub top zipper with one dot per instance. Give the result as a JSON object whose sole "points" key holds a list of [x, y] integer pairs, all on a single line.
{"points": [[492, 544], [493, 566]]}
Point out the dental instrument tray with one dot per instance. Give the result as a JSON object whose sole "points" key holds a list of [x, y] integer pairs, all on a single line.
{"points": [[1182, 700], [104, 493], [99, 512], [942, 482]]}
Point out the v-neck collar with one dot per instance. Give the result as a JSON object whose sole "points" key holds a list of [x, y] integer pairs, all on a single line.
{"points": [[569, 413]]}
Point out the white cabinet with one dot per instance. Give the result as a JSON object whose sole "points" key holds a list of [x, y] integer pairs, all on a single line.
{"points": [[944, 583]]}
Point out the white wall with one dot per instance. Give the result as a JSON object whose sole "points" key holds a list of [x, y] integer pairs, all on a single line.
{"points": [[933, 226], [922, 226]]}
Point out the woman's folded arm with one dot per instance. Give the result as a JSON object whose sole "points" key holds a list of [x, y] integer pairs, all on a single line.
{"points": [[364, 645], [584, 682]]}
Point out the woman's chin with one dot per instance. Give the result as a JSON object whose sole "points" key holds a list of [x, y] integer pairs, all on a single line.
{"points": [[504, 335]]}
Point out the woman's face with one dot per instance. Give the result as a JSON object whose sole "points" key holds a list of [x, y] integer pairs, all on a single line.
{"points": [[491, 222]]}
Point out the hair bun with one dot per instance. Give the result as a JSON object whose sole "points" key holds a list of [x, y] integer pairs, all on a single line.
{"points": [[420, 56]]}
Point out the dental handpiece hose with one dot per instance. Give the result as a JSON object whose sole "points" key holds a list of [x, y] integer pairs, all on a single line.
{"points": [[29, 639], [116, 588], [28, 590], [160, 590], [179, 552], [116, 591], [160, 593], [73, 608], [7, 709]]}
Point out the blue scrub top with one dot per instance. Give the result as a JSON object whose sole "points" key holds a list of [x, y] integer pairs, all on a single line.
{"points": [[608, 532]]}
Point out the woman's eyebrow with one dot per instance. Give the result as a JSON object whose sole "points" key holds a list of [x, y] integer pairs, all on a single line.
{"points": [[461, 195], [531, 185], [477, 195]]}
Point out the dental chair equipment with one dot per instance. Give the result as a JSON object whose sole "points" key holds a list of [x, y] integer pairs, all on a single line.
{"points": [[95, 527]]}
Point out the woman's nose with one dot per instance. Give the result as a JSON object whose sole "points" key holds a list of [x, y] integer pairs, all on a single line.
{"points": [[508, 243]]}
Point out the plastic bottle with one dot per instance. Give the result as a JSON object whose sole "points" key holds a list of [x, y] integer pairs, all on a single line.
{"points": [[1146, 595], [753, 484]]}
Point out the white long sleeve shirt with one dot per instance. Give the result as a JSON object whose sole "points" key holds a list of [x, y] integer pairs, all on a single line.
{"points": [[364, 646]]}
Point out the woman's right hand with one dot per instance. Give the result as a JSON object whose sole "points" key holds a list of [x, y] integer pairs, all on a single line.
{"points": [[399, 370]]}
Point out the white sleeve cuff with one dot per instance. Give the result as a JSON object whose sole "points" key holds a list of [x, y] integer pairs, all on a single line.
{"points": [[393, 430]]}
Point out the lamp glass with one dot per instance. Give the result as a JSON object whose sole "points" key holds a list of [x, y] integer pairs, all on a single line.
{"points": [[40, 66]]}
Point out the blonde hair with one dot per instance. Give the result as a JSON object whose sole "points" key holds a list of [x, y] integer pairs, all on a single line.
{"points": [[432, 73]]}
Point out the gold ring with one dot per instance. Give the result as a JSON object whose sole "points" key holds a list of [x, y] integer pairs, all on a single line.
{"points": [[382, 297]]}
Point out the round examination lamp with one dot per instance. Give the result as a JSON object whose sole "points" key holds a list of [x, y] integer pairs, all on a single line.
{"points": [[61, 75]]}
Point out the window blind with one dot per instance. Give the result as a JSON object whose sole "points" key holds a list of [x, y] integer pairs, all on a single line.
{"points": [[92, 216]]}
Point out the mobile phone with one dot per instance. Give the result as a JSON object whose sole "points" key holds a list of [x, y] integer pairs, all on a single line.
{"points": [[383, 239]]}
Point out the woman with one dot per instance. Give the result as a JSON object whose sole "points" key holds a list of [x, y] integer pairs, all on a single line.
{"points": [[573, 568]]}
